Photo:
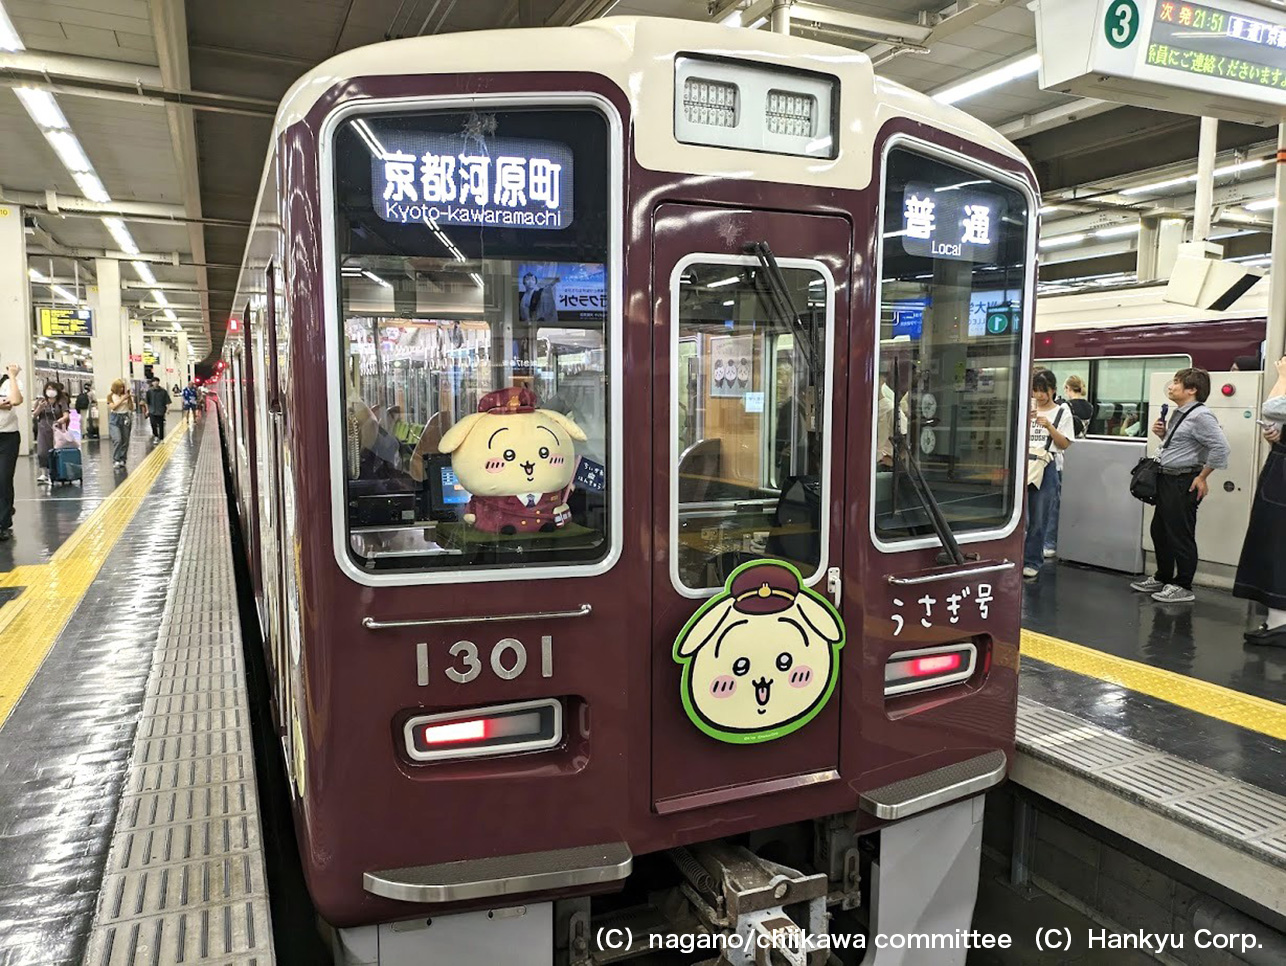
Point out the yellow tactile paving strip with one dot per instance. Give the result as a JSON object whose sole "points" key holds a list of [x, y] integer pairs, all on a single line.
{"points": [[31, 622], [1225, 704]]}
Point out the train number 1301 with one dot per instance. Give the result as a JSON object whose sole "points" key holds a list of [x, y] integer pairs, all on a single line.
{"points": [[507, 659]]}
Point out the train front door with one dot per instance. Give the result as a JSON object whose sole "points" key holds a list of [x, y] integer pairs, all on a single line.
{"points": [[750, 402]]}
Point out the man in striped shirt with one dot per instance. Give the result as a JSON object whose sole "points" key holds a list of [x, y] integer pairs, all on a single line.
{"points": [[1194, 447]]}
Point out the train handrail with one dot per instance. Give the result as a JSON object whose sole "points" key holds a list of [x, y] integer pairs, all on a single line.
{"points": [[371, 624], [951, 574]]}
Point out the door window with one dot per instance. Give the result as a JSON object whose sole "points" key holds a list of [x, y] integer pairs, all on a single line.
{"points": [[473, 255], [953, 291], [750, 410]]}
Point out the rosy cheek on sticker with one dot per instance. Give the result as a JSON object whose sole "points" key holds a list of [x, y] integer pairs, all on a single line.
{"points": [[800, 676], [723, 686], [557, 460], [495, 466]]}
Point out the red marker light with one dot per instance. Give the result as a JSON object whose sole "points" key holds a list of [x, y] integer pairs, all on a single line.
{"points": [[445, 734], [938, 664], [234, 325], [1229, 389], [1049, 340]]}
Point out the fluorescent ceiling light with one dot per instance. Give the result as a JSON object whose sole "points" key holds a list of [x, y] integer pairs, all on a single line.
{"points": [[175, 324], [9, 39], [1239, 167], [1057, 241], [730, 302], [732, 20], [1160, 185], [1233, 234], [1263, 204], [36, 276], [91, 187], [725, 281], [159, 298], [121, 234], [144, 272], [169, 314], [375, 278], [69, 151], [42, 107], [1046, 209], [1117, 231], [1023, 67]]}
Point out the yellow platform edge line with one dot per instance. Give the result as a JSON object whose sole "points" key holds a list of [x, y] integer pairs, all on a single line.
{"points": [[31, 622], [1243, 710]]}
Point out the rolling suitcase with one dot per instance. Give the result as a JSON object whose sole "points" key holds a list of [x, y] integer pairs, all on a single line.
{"points": [[65, 466]]}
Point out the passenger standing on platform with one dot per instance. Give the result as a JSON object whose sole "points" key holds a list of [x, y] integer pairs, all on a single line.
{"points": [[48, 412], [82, 408], [1081, 409], [1051, 433], [1194, 447], [189, 398], [156, 403], [120, 415], [1261, 574], [10, 440]]}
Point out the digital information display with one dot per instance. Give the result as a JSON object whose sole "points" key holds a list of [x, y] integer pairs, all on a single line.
{"points": [[61, 322], [951, 222], [443, 179], [1200, 39]]}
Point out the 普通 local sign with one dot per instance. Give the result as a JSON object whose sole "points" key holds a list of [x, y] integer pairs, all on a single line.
{"points": [[55, 323], [1225, 58]]}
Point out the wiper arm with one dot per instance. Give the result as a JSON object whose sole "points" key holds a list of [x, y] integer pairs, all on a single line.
{"points": [[923, 492], [783, 306]]}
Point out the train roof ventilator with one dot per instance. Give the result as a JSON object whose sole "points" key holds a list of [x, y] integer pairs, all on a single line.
{"points": [[1202, 279]]}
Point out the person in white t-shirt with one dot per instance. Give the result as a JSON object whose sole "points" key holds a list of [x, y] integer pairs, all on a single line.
{"points": [[10, 439], [1052, 433]]}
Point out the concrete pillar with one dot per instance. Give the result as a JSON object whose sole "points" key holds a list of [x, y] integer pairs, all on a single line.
{"points": [[1207, 148], [185, 360], [136, 341], [779, 17], [15, 311], [109, 343], [1276, 335]]}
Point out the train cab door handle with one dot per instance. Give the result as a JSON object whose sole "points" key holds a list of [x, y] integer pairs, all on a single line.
{"points": [[833, 585]]}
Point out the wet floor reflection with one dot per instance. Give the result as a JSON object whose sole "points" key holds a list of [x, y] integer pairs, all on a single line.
{"points": [[64, 749]]}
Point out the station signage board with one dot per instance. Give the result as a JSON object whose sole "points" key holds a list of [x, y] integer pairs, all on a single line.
{"points": [[444, 179], [57, 323], [1216, 58]]}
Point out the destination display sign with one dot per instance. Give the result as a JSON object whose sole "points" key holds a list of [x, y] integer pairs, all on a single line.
{"points": [[440, 179], [1202, 39], [950, 221], [55, 323]]}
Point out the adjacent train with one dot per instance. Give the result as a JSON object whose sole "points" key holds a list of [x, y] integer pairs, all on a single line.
{"points": [[628, 427]]}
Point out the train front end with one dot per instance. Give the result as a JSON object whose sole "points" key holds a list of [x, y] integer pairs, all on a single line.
{"points": [[653, 461]]}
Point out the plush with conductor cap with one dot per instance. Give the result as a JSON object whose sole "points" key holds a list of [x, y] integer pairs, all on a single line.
{"points": [[516, 461], [760, 659]]}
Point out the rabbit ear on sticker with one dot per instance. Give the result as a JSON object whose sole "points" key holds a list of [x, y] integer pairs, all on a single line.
{"points": [[820, 618], [457, 434], [699, 633]]}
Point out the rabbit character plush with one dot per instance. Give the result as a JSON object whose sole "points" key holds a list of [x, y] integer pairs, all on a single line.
{"points": [[516, 461]]}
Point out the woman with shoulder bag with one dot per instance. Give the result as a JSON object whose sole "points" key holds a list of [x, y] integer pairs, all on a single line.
{"points": [[1051, 434]]}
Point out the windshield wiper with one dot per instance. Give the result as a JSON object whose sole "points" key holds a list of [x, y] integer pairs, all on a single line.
{"points": [[781, 303], [923, 492]]}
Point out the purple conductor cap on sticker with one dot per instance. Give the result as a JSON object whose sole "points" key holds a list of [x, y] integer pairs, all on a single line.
{"points": [[764, 589]]}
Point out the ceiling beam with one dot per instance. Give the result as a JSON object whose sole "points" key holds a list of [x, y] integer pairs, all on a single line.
{"points": [[1030, 124]]}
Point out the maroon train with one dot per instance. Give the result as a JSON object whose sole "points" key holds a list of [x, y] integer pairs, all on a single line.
{"points": [[606, 601]]}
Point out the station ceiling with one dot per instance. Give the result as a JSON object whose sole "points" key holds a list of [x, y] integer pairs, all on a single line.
{"points": [[184, 179]]}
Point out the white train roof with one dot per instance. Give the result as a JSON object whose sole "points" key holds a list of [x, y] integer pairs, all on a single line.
{"points": [[637, 54], [1137, 306]]}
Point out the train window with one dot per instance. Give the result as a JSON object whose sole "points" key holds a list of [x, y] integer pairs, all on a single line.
{"points": [[952, 294], [474, 281], [1118, 391], [748, 420]]}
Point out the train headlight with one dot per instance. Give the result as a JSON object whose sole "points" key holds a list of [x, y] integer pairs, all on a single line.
{"points": [[734, 104]]}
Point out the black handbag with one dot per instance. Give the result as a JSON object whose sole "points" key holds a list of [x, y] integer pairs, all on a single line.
{"points": [[1147, 471]]}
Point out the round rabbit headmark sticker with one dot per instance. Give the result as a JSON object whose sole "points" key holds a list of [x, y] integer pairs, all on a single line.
{"points": [[760, 659]]}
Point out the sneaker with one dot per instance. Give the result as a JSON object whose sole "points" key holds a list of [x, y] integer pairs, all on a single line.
{"points": [[1050, 553], [6, 533], [42, 478], [1174, 594], [1148, 585], [1030, 572]]}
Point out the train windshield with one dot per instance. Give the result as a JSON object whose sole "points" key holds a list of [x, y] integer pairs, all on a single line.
{"points": [[952, 292], [474, 283]]}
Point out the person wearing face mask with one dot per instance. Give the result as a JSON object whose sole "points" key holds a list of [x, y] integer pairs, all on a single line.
{"points": [[10, 444], [50, 411]]}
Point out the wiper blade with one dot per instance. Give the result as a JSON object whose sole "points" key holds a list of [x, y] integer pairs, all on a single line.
{"points": [[923, 492], [783, 305]]}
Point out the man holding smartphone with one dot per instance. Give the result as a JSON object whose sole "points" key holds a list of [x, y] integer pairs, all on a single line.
{"points": [[1194, 447], [10, 443]]}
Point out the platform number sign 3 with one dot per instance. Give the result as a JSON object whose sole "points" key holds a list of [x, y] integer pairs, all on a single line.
{"points": [[1121, 23]]}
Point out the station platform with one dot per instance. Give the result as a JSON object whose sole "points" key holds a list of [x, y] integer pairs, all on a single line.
{"points": [[130, 826], [1159, 724], [129, 820]]}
